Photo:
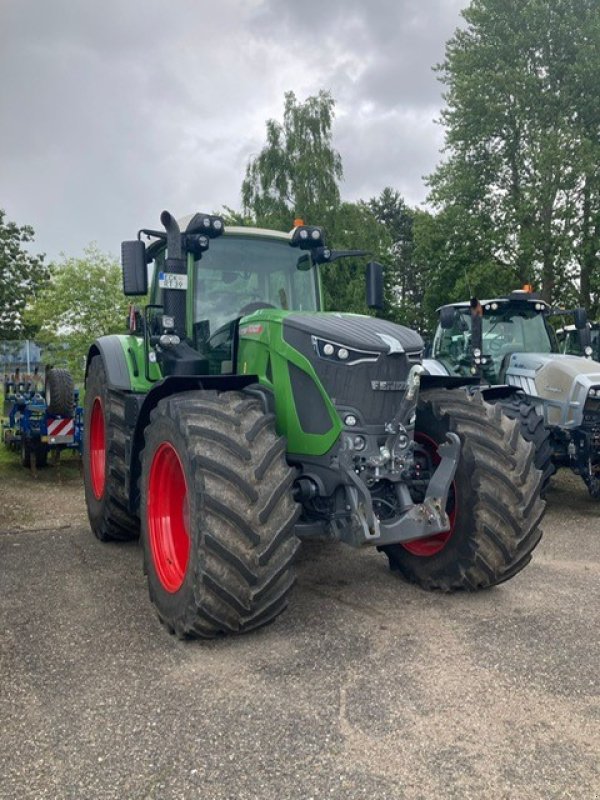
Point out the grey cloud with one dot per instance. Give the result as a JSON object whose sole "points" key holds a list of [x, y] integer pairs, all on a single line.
{"points": [[111, 111]]}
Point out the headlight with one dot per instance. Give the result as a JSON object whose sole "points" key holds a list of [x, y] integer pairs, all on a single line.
{"points": [[334, 351]]}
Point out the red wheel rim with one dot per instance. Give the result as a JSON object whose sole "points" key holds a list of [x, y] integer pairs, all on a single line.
{"points": [[168, 517], [97, 449], [432, 545]]}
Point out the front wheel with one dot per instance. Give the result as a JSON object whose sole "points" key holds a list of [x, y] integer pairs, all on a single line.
{"points": [[217, 514], [494, 504]]}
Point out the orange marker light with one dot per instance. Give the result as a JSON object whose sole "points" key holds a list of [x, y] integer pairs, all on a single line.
{"points": [[527, 287], [298, 222]]}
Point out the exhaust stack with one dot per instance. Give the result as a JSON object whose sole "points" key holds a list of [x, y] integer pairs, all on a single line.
{"points": [[175, 265]]}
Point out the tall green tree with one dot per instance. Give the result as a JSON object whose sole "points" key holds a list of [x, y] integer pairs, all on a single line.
{"points": [[523, 144], [83, 300], [296, 175], [21, 277], [297, 172], [354, 227], [406, 277]]}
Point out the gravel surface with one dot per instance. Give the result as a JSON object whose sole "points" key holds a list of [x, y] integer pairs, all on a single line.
{"points": [[366, 687]]}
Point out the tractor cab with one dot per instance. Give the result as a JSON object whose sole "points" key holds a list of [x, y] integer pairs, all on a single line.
{"points": [[479, 337], [245, 271], [569, 340], [201, 290]]}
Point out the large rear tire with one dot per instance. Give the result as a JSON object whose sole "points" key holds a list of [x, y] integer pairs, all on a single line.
{"points": [[217, 514], [494, 504], [533, 430], [104, 467]]}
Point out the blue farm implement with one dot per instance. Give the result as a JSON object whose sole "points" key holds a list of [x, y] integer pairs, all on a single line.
{"points": [[37, 423]]}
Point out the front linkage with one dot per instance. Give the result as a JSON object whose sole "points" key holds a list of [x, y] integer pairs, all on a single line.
{"points": [[394, 463]]}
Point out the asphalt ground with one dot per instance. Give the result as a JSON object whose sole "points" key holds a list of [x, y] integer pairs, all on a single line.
{"points": [[366, 687]]}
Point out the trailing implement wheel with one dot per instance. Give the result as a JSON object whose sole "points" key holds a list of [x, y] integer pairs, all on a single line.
{"points": [[533, 430], [494, 504], [104, 469], [217, 514], [26, 452], [60, 397]]}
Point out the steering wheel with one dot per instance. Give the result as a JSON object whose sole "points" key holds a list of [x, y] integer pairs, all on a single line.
{"points": [[495, 345], [254, 306]]}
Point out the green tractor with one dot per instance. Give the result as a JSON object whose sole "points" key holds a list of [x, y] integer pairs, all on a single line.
{"points": [[236, 418], [569, 341]]}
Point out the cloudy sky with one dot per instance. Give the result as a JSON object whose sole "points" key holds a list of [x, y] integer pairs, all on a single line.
{"points": [[111, 110]]}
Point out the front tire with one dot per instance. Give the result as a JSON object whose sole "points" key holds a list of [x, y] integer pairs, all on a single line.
{"points": [[104, 468], [217, 514], [494, 505]]}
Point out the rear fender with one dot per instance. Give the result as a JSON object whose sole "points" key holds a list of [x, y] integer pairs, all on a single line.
{"points": [[115, 363]]}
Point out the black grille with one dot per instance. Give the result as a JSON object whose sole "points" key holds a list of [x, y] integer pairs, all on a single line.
{"points": [[375, 389]]}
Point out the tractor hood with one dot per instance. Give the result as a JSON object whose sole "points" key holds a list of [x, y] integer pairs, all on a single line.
{"points": [[363, 363], [562, 381], [357, 332]]}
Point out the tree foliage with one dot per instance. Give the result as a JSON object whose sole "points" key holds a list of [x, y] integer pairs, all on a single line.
{"points": [[520, 187], [406, 277], [296, 174], [83, 300], [21, 276], [354, 227]]}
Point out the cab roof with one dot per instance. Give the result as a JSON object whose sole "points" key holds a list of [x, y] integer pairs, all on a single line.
{"points": [[152, 242], [518, 296]]}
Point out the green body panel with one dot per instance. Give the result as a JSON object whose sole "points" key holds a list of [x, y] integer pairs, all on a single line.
{"points": [[261, 341], [135, 356]]}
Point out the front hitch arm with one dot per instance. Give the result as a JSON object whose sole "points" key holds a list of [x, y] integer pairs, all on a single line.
{"points": [[418, 521]]}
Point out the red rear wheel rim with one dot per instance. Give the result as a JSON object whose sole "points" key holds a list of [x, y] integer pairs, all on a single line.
{"points": [[97, 449], [168, 517], [432, 545]]}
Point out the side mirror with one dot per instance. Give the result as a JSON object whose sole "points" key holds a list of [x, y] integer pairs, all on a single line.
{"points": [[447, 315], [583, 329], [304, 263], [476, 332], [135, 272], [580, 318], [374, 285]]}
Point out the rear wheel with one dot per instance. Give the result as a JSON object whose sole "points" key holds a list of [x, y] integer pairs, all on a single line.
{"points": [[104, 468], [25, 452], [494, 504], [217, 514]]}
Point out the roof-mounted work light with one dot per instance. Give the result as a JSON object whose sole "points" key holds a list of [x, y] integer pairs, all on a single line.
{"points": [[206, 224], [306, 237]]}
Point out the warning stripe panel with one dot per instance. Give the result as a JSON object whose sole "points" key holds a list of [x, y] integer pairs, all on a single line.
{"points": [[61, 427]]}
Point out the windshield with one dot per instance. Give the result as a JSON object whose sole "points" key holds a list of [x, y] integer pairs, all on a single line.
{"points": [[505, 331], [237, 272]]}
